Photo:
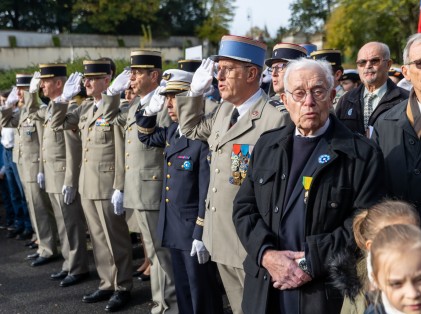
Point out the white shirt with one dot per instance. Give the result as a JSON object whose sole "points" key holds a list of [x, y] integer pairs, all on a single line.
{"points": [[243, 108], [147, 98], [8, 137], [319, 132]]}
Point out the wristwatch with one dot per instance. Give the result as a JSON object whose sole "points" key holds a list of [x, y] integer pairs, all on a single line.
{"points": [[302, 263]]}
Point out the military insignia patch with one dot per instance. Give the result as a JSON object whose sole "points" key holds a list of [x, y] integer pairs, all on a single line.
{"points": [[101, 122], [240, 157]]}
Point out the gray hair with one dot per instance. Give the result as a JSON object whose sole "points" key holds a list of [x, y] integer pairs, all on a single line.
{"points": [[413, 39], [304, 63]]}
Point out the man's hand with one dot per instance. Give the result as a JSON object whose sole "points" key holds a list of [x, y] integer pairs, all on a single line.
{"points": [[284, 270], [13, 98], [202, 253], [35, 83], [120, 84], [72, 86], [202, 78], [69, 194], [157, 102], [117, 201], [41, 180]]}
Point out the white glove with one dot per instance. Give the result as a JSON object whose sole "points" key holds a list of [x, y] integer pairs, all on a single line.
{"points": [[72, 86], [202, 253], [69, 193], [117, 201], [13, 98], [157, 102], [202, 78], [120, 84], [41, 180], [35, 82]]}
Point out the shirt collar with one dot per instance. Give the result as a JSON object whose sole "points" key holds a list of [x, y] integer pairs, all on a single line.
{"points": [[378, 92], [243, 108], [147, 98], [319, 132]]}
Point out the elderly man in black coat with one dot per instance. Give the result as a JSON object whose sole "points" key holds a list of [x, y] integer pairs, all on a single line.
{"points": [[398, 133], [294, 210]]}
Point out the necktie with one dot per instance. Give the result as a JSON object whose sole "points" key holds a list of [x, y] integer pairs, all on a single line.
{"points": [[368, 109], [234, 117], [95, 108]]}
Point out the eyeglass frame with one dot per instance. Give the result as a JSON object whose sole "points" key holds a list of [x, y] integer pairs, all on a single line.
{"points": [[218, 69], [277, 68], [303, 99], [92, 79], [417, 63], [373, 61]]}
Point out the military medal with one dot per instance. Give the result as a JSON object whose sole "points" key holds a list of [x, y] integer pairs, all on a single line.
{"points": [[306, 184]]}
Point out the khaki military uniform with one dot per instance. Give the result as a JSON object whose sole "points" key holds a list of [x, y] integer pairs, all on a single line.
{"points": [[142, 192], [226, 146], [69, 218], [101, 172], [26, 154]]}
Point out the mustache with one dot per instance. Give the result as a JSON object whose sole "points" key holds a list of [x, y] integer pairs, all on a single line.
{"points": [[370, 72]]}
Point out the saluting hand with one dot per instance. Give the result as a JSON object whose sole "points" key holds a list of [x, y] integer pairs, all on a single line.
{"points": [[35, 82], [284, 270], [202, 78], [157, 102], [13, 98], [72, 87], [120, 84]]}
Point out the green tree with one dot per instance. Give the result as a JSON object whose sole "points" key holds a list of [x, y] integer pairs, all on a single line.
{"points": [[219, 14], [350, 27]]}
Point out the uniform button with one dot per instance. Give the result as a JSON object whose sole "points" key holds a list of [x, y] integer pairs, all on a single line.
{"points": [[130, 128], [283, 176], [334, 205], [276, 209], [154, 177], [127, 167], [210, 146], [169, 164], [167, 200], [86, 160], [64, 168], [127, 154], [213, 209], [86, 149], [43, 148], [219, 151], [217, 171], [89, 139], [411, 141], [44, 161], [128, 141], [265, 277], [261, 180], [167, 188], [417, 171], [168, 176], [90, 129], [214, 190]]}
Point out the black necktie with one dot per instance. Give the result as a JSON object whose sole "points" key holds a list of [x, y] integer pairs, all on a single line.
{"points": [[177, 134], [234, 117], [95, 108]]}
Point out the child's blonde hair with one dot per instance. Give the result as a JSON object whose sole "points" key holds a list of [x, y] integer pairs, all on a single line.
{"points": [[368, 222]]}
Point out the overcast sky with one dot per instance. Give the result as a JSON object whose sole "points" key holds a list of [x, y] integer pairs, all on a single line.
{"points": [[272, 13]]}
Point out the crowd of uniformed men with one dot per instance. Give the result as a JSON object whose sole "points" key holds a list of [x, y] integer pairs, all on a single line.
{"points": [[210, 198]]}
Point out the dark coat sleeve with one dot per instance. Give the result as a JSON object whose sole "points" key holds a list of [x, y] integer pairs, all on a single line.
{"points": [[148, 133]]}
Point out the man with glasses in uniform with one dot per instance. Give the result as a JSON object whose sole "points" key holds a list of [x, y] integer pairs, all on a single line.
{"points": [[359, 108]]}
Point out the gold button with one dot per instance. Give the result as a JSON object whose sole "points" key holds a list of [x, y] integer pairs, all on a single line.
{"points": [[154, 177], [169, 164], [219, 151], [217, 170], [43, 148], [89, 139], [64, 168], [130, 128], [213, 209], [127, 154], [127, 167], [90, 129], [128, 141], [167, 188], [44, 160], [168, 176], [167, 200], [214, 190], [86, 160]]}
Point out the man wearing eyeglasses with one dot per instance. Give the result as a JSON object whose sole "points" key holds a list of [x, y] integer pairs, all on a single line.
{"points": [[143, 175], [231, 131], [282, 54], [69, 215], [398, 132], [359, 108], [294, 210], [101, 176]]}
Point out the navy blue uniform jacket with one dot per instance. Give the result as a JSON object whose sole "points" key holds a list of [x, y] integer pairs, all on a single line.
{"points": [[185, 184]]}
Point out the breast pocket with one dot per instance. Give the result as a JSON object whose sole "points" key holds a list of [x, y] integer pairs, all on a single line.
{"points": [[102, 134], [264, 180], [337, 203], [28, 133]]}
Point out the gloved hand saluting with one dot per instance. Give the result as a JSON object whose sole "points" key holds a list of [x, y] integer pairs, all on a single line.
{"points": [[72, 86], [120, 84], [35, 82], [117, 201], [13, 98], [157, 102], [202, 78], [202, 253], [69, 193]]}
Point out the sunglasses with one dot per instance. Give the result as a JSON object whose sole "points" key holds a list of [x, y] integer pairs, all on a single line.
{"points": [[374, 62], [416, 62]]}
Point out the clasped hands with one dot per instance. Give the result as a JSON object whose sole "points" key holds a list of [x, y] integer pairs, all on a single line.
{"points": [[283, 268]]}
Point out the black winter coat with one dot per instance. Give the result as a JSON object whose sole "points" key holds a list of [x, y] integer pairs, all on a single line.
{"points": [[351, 179], [350, 108]]}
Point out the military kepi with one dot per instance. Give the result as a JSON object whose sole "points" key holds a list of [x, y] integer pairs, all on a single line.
{"points": [[242, 49], [177, 81], [330, 55], [189, 65], [145, 59], [286, 52], [96, 68], [23, 79], [52, 70]]}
